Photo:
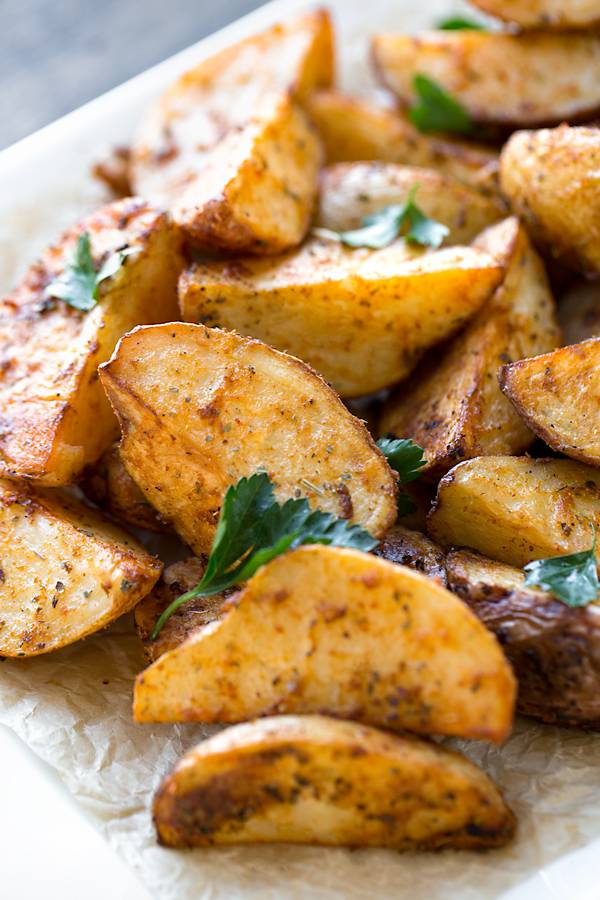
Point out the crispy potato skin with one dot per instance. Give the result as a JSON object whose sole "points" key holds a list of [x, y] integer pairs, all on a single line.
{"points": [[314, 780], [351, 191], [557, 396], [516, 509], [66, 571], [544, 14], [201, 408], [579, 311], [337, 631], [415, 550], [554, 649], [362, 318], [354, 129], [511, 80], [453, 407], [550, 179], [54, 415]]}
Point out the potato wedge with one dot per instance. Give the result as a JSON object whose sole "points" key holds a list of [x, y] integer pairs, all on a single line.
{"points": [[511, 80], [557, 395], [554, 649], [579, 311], [544, 14], [351, 191], [297, 779], [516, 509], [453, 407], [362, 318], [325, 629], [550, 178], [414, 550], [54, 416], [66, 571], [357, 129], [202, 408]]}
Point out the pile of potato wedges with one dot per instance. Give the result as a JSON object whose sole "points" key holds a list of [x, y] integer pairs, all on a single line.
{"points": [[215, 322]]}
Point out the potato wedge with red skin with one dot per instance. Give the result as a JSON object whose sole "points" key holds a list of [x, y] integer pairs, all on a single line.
{"points": [[336, 631], [561, 15], [315, 780], [67, 571], [201, 408]]}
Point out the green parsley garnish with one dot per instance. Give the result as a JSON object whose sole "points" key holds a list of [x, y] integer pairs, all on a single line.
{"points": [[437, 110], [457, 23], [406, 459], [253, 529], [573, 579], [384, 226], [78, 283]]}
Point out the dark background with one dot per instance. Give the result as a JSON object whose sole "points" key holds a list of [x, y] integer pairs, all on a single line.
{"points": [[57, 54]]}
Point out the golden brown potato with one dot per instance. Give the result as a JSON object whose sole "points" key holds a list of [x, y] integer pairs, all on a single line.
{"points": [[331, 630], [229, 152], [314, 780], [579, 311], [516, 509], [554, 649], [108, 484], [66, 570], [362, 318], [452, 406], [357, 129], [557, 396], [511, 80], [415, 550], [202, 408], [54, 415], [544, 14], [351, 191], [551, 179], [178, 579]]}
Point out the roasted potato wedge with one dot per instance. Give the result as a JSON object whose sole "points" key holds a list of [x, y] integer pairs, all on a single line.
{"points": [[351, 191], [579, 311], [554, 649], [511, 80], [362, 318], [550, 178], [66, 571], [357, 129], [414, 550], [452, 406], [228, 150], [516, 509], [544, 14], [557, 396], [325, 629], [54, 415], [202, 408], [315, 780], [178, 579]]}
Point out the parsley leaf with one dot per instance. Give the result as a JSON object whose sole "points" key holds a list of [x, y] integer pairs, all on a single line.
{"points": [[406, 459], [457, 23], [573, 579], [78, 283], [437, 110], [253, 529], [384, 226]]}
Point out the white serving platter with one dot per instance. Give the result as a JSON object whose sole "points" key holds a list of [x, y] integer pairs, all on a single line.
{"points": [[45, 185]]}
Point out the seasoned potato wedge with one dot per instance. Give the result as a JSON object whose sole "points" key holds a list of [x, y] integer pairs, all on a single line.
{"points": [[579, 311], [351, 191], [557, 394], [544, 14], [415, 550], [178, 579], [54, 415], [66, 571], [227, 149], [362, 318], [201, 408], [315, 780], [550, 178], [357, 129], [516, 509], [512, 80], [453, 407], [554, 649], [325, 629]]}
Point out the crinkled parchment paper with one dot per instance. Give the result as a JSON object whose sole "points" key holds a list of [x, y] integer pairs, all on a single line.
{"points": [[73, 707]]}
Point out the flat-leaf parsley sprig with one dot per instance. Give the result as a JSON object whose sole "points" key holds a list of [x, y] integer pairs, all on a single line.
{"points": [[573, 579], [406, 459], [384, 226], [78, 283], [254, 528], [436, 110]]}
